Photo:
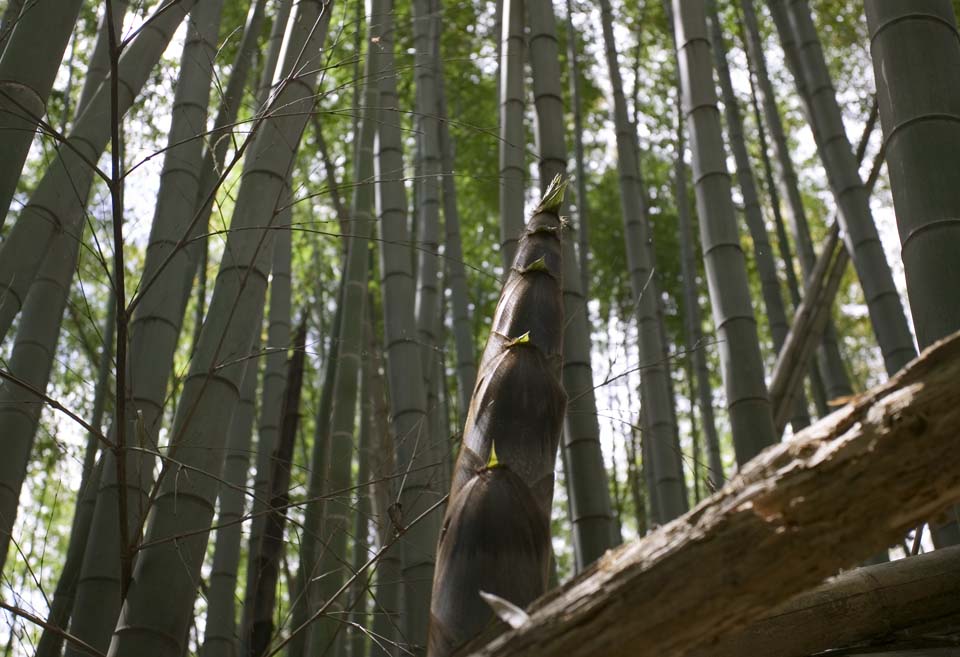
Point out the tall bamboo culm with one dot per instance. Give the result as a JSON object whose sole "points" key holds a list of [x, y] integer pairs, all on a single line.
{"points": [[762, 251], [741, 364], [408, 407], [659, 426], [153, 335], [57, 203], [692, 319], [61, 608], [159, 604], [829, 361], [583, 238], [31, 362], [337, 461], [920, 116], [28, 67], [278, 311], [220, 636], [388, 587], [510, 72], [590, 509], [799, 35], [455, 272]]}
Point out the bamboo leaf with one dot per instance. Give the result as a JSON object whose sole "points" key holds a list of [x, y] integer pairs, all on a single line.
{"points": [[523, 339], [493, 461], [540, 264]]}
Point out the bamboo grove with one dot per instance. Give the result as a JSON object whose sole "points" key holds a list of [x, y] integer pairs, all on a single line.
{"points": [[358, 328]]}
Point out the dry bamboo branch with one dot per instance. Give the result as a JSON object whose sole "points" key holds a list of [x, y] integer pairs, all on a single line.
{"points": [[272, 544], [803, 338]]}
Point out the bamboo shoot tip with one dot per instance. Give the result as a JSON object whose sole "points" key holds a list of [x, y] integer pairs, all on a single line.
{"points": [[553, 197]]}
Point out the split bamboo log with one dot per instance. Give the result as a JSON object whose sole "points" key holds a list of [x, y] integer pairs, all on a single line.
{"points": [[836, 493]]}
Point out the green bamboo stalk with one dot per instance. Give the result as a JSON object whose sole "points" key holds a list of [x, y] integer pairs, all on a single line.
{"points": [[415, 451], [454, 273], [28, 67], [51, 643], [153, 336], [388, 589], [272, 544], [338, 458], [428, 308], [158, 607], [581, 177], [359, 618], [278, 331], [61, 608], [918, 113], [740, 360], [31, 362], [762, 252], [219, 137], [56, 205], [7, 22], [817, 387], [660, 425], [915, 57], [311, 544], [836, 383], [98, 67], [590, 499], [812, 316], [794, 22], [425, 26], [809, 323], [271, 405], [220, 636], [510, 71], [692, 319]]}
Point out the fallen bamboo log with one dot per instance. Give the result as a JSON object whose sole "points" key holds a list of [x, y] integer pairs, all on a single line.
{"points": [[924, 652], [864, 606], [839, 491]]}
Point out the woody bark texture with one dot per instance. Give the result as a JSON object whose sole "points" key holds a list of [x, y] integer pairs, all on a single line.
{"points": [[839, 491], [865, 607]]}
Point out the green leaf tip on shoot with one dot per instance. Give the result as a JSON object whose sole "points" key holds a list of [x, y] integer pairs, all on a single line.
{"points": [[553, 197], [493, 461], [540, 264], [523, 339]]}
